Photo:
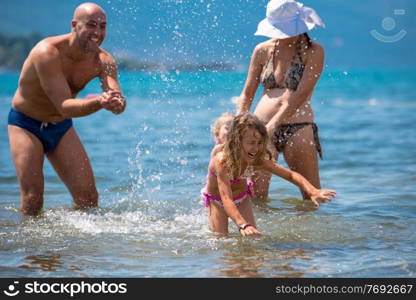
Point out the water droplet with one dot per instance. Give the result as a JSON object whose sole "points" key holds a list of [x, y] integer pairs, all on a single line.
{"points": [[372, 101]]}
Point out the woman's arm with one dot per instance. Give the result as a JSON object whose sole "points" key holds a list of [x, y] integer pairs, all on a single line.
{"points": [[252, 81], [311, 74], [297, 179]]}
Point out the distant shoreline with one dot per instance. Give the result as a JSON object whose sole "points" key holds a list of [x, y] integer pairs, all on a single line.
{"points": [[138, 66], [15, 49], [130, 64]]}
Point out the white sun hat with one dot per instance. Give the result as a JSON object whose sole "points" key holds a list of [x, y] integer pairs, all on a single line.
{"points": [[287, 18]]}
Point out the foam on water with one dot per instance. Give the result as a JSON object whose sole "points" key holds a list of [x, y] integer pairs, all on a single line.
{"points": [[292, 236]]}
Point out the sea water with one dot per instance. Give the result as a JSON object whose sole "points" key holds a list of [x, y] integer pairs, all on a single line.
{"points": [[151, 161]]}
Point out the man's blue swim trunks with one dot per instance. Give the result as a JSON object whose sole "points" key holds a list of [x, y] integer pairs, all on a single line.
{"points": [[48, 133]]}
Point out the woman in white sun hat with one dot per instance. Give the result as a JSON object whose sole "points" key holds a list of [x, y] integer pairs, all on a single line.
{"points": [[288, 65]]}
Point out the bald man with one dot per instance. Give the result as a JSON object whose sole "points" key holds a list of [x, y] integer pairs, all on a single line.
{"points": [[39, 122]]}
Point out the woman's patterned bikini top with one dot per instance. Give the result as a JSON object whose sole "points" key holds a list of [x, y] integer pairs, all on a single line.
{"points": [[292, 76]]}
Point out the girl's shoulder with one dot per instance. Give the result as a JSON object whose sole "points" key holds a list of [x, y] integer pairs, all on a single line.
{"points": [[217, 155], [215, 150], [216, 164]]}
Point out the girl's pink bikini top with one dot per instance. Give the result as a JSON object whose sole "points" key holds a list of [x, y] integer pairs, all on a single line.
{"points": [[232, 181]]}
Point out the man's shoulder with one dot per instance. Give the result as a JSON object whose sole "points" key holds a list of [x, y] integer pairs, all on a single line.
{"points": [[49, 46], [105, 57]]}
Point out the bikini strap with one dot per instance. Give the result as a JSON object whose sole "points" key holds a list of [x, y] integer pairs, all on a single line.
{"points": [[301, 40], [232, 181], [273, 53], [236, 180]]}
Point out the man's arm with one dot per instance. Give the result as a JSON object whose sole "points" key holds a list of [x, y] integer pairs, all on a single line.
{"points": [[47, 63], [109, 81]]}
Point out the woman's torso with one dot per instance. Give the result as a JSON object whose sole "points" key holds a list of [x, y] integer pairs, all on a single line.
{"points": [[281, 74]]}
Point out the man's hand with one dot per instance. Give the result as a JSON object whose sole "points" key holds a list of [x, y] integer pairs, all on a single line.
{"points": [[113, 101]]}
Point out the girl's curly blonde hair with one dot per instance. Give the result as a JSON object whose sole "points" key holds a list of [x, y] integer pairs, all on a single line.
{"points": [[231, 149], [219, 122]]}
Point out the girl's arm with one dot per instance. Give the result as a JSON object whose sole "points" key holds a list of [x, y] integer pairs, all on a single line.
{"points": [[252, 81], [297, 179], [226, 195], [296, 99]]}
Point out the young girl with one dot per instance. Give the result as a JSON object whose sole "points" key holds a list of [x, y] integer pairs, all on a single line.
{"points": [[228, 189], [220, 127], [219, 130]]}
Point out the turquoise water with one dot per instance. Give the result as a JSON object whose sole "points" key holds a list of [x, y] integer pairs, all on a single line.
{"points": [[150, 164]]}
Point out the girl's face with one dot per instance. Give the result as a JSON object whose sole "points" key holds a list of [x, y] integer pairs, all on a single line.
{"points": [[252, 145]]}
